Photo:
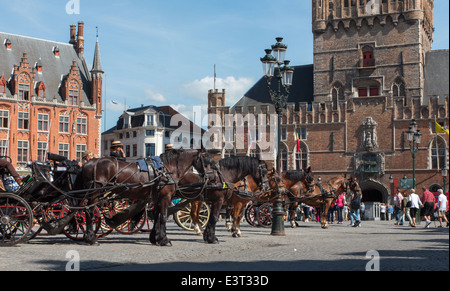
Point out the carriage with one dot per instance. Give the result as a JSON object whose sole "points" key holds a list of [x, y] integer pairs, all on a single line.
{"points": [[50, 202], [108, 195]]}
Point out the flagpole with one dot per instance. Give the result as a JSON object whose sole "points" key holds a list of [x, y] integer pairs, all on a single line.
{"points": [[215, 78]]}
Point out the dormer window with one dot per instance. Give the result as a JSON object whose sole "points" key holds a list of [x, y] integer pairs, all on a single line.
{"points": [[8, 44], [74, 93], [39, 66], [56, 51], [2, 85], [24, 87], [41, 90]]}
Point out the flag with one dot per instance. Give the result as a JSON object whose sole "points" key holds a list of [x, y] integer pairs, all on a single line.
{"points": [[440, 129], [298, 144]]}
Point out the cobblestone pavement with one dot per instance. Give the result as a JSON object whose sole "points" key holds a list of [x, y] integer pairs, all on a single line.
{"points": [[306, 248]]}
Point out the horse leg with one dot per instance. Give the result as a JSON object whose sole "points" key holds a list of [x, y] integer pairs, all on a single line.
{"points": [[325, 210], [195, 216], [90, 236], [209, 235], [237, 216], [158, 235], [229, 214], [292, 212]]}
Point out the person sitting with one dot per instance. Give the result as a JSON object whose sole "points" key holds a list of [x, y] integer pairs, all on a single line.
{"points": [[6, 165], [116, 150]]}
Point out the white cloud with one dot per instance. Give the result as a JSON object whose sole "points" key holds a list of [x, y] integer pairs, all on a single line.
{"points": [[154, 96], [235, 88]]}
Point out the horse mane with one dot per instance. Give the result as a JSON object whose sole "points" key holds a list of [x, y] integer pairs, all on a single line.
{"points": [[294, 175], [173, 155], [241, 164]]}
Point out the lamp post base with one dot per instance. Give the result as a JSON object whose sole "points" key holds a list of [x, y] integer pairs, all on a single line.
{"points": [[277, 218]]}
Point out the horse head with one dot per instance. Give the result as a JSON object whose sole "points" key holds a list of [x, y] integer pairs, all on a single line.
{"points": [[353, 185]]}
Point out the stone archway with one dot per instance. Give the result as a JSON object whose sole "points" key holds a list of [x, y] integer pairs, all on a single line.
{"points": [[374, 191]]}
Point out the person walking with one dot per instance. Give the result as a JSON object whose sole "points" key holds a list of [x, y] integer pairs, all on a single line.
{"points": [[340, 202], [415, 205], [355, 206], [398, 212], [428, 206], [406, 205], [442, 207]]}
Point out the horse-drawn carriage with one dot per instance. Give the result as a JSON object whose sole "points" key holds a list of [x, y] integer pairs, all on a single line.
{"points": [[106, 194], [51, 201]]}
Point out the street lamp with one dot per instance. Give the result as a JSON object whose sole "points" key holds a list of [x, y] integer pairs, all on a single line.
{"points": [[284, 75], [415, 138], [444, 177]]}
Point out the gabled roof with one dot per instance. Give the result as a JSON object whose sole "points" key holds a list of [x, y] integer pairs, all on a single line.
{"points": [[302, 89], [54, 68]]}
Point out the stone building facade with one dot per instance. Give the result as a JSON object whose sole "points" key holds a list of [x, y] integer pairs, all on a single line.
{"points": [[50, 100], [373, 73]]}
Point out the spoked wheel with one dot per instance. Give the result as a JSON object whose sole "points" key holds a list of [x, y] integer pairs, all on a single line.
{"points": [[251, 214], [16, 220], [77, 228], [265, 215], [132, 225], [183, 217]]}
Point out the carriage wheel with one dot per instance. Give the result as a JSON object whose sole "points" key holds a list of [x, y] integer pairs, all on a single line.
{"points": [[265, 215], [132, 225], [251, 215], [183, 217], [16, 220], [48, 214], [76, 229]]}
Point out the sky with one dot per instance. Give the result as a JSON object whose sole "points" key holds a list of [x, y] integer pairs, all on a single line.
{"points": [[163, 52]]}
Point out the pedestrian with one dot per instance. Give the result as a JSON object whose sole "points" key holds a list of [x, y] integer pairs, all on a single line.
{"points": [[340, 202], [383, 211], [362, 212], [345, 212], [355, 207], [398, 208], [406, 204], [415, 205], [390, 211], [428, 201], [442, 207]]}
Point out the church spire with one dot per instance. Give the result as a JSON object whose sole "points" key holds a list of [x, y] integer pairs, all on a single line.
{"points": [[97, 66]]}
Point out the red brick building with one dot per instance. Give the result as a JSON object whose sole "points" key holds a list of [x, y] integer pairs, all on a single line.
{"points": [[373, 73], [49, 99]]}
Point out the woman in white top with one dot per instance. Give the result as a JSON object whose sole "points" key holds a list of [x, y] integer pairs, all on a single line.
{"points": [[415, 205]]}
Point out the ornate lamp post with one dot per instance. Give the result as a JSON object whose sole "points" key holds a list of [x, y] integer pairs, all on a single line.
{"points": [[284, 75], [414, 138]]}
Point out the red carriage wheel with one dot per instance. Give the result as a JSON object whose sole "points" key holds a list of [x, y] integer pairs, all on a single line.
{"points": [[251, 215], [16, 220], [265, 215], [76, 229]]}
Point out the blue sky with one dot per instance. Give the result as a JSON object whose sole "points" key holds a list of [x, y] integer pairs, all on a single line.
{"points": [[162, 52]]}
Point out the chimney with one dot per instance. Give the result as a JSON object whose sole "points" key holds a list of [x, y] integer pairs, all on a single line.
{"points": [[80, 38], [73, 32]]}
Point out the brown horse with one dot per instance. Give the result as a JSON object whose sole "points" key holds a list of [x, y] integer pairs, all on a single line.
{"points": [[230, 171], [127, 181], [182, 182], [322, 195], [241, 198]]}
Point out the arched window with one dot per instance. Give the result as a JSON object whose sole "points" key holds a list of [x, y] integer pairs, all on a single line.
{"points": [[301, 158], [399, 88], [284, 158], [438, 153], [337, 94]]}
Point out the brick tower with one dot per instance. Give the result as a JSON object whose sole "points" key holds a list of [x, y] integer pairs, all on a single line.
{"points": [[368, 48]]}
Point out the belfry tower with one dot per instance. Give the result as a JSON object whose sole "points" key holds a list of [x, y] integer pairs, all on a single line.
{"points": [[368, 48]]}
